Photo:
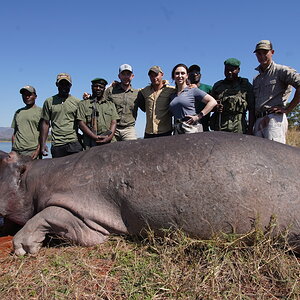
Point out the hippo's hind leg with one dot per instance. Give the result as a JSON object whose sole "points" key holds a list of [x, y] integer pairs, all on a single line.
{"points": [[59, 221]]}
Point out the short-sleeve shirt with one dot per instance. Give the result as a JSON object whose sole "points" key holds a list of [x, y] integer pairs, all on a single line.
{"points": [[125, 102], [185, 103], [62, 113], [26, 128], [156, 105], [274, 86], [105, 113]]}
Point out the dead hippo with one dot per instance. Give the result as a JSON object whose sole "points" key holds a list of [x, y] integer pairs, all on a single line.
{"points": [[202, 183]]}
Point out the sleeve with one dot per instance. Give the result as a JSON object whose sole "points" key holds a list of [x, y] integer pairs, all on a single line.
{"points": [[141, 101], [81, 111], [13, 123], [46, 113], [198, 94], [114, 115], [290, 76]]}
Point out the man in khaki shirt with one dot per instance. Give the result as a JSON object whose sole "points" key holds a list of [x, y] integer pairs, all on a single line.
{"points": [[125, 99], [272, 88], [154, 99]]}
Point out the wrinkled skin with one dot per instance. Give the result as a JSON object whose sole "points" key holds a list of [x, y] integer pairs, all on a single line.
{"points": [[202, 183]]}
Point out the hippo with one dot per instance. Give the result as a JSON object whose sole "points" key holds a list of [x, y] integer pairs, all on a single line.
{"points": [[204, 184]]}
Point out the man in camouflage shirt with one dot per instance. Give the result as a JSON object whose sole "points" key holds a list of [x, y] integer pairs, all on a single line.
{"points": [[235, 97]]}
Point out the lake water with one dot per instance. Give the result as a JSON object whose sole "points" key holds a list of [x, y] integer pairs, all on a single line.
{"points": [[6, 147]]}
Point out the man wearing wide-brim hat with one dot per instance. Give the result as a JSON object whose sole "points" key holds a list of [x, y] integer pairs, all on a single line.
{"points": [[272, 88]]}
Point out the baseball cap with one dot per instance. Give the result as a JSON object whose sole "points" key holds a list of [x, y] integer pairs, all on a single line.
{"points": [[194, 68], [263, 45], [125, 67], [155, 69], [28, 88], [63, 76]]}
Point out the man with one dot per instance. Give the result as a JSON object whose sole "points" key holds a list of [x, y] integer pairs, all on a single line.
{"points": [[125, 99], [60, 112], [26, 121], [154, 99], [272, 88], [235, 97], [97, 117], [194, 78]]}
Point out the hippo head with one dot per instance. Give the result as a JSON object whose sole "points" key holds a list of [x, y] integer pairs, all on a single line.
{"points": [[12, 202]]}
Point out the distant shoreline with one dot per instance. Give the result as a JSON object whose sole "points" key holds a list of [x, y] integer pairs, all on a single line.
{"points": [[5, 141]]}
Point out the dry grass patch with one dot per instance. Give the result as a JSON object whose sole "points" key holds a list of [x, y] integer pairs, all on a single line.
{"points": [[293, 137], [252, 266]]}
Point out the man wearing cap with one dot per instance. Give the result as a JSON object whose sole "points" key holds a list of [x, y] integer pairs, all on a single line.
{"points": [[154, 99], [97, 118], [234, 95], [194, 73], [26, 121], [125, 99], [272, 88], [60, 112]]}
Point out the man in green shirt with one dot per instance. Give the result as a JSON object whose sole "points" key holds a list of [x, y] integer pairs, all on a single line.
{"points": [[235, 97], [194, 78], [97, 118], [26, 123], [60, 112], [125, 99]]}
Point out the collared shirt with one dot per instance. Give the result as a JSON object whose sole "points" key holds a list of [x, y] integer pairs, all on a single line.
{"points": [[185, 103], [105, 112], [125, 102], [156, 105], [274, 86], [62, 113]]}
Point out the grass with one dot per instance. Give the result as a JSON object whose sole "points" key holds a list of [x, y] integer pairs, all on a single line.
{"points": [[257, 265], [293, 137]]}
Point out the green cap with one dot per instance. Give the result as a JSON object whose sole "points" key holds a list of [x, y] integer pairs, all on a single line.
{"points": [[232, 62], [99, 80], [263, 45], [28, 88]]}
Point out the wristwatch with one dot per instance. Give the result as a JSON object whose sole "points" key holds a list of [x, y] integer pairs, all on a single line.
{"points": [[201, 115]]}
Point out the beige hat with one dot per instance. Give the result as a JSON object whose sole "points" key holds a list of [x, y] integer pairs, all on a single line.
{"points": [[155, 69], [63, 76], [263, 45], [28, 88]]}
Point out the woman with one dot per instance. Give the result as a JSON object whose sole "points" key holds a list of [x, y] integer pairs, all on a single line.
{"points": [[183, 103]]}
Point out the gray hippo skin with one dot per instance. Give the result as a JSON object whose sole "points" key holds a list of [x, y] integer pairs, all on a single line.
{"points": [[202, 183]]}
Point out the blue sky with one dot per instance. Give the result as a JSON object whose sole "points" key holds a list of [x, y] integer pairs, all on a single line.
{"points": [[92, 38]]}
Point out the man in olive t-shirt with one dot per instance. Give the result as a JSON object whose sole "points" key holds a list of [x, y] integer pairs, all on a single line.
{"points": [[26, 124], [60, 112]]}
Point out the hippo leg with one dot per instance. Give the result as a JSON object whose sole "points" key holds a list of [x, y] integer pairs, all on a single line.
{"points": [[56, 220]]}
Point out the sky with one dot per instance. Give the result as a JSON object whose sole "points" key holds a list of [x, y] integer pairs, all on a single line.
{"points": [[91, 38]]}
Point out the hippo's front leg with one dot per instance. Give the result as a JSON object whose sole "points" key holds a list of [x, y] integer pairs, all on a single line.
{"points": [[59, 221]]}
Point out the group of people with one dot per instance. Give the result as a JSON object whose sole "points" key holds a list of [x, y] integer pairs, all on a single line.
{"points": [[108, 114]]}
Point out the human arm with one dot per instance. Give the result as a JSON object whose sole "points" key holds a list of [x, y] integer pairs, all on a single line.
{"points": [[141, 101], [210, 104], [45, 125], [103, 139], [285, 110]]}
